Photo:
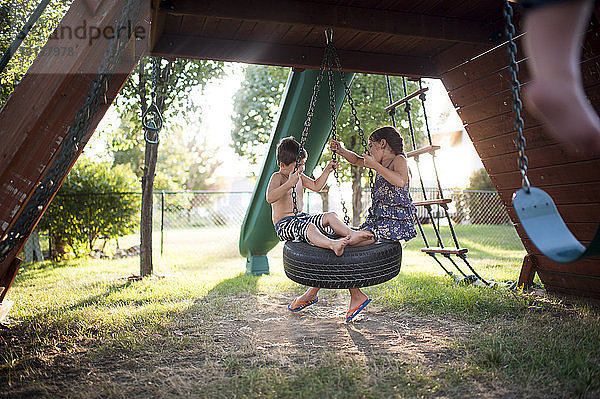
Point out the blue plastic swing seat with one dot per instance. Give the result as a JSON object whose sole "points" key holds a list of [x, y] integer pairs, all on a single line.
{"points": [[546, 229]]}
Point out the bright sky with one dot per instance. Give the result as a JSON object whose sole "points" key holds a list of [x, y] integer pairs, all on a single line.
{"points": [[455, 162], [216, 104]]}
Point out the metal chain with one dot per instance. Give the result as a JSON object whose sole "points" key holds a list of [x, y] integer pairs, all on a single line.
{"points": [[517, 105], [152, 119], [363, 140], [75, 138], [307, 123], [334, 126]]}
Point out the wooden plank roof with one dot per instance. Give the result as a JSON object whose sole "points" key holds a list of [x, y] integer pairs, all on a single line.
{"points": [[386, 36]]}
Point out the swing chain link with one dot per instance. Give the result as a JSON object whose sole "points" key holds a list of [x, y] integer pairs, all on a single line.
{"points": [[363, 140], [307, 123], [77, 136], [333, 122], [152, 119], [517, 105]]}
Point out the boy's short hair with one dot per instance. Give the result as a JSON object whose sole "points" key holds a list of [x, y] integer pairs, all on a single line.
{"points": [[287, 151]]}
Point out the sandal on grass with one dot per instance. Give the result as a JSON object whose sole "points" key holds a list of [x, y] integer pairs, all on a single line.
{"points": [[301, 305], [353, 312]]}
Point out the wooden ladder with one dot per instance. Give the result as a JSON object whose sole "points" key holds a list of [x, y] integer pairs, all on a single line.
{"points": [[442, 203]]}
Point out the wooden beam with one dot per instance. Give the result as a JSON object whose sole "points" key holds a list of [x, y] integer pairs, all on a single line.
{"points": [[445, 251], [527, 271], [424, 150], [441, 201], [37, 116], [158, 22], [255, 52], [334, 16], [405, 99]]}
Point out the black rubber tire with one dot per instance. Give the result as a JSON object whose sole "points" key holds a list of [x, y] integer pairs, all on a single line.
{"points": [[357, 267]]}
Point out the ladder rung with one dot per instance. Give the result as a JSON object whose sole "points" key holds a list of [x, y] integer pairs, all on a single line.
{"points": [[429, 149], [433, 202], [440, 250], [405, 99]]}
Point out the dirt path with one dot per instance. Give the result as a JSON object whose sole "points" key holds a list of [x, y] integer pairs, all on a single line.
{"points": [[321, 327], [287, 338]]}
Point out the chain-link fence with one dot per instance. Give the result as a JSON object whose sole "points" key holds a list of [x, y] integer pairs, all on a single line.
{"points": [[477, 218]]}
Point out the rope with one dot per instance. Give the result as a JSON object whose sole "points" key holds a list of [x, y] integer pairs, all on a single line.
{"points": [[333, 132], [363, 140], [436, 228], [307, 123]]}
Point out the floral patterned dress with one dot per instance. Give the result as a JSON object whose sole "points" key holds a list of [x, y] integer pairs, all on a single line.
{"points": [[393, 210]]}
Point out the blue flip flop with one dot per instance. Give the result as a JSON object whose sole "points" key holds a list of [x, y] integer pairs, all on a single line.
{"points": [[302, 304], [353, 312]]}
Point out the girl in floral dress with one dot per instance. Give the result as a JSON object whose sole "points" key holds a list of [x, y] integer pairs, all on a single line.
{"points": [[391, 216]]}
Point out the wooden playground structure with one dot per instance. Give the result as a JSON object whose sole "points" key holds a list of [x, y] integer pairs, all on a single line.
{"points": [[458, 41]]}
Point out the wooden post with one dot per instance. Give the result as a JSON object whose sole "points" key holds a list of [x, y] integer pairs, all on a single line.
{"points": [[146, 267], [527, 271]]}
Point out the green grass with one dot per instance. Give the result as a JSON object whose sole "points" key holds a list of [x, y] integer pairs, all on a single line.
{"points": [[83, 330]]}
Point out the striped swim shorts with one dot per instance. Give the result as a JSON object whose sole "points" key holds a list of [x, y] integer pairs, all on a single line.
{"points": [[292, 228]]}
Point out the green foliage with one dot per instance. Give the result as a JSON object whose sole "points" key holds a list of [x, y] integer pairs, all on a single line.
{"points": [[88, 206], [255, 107], [257, 102], [259, 97], [370, 96], [184, 161], [470, 203], [178, 78], [13, 17], [480, 180]]}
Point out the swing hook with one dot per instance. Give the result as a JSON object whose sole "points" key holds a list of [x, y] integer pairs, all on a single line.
{"points": [[329, 36]]}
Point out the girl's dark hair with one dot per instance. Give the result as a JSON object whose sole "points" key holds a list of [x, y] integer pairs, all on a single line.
{"points": [[391, 136], [287, 151]]}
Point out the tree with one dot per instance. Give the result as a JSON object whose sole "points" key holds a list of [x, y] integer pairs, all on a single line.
{"points": [[13, 17], [480, 180], [185, 161], [175, 80], [260, 95], [255, 107], [93, 202], [483, 207]]}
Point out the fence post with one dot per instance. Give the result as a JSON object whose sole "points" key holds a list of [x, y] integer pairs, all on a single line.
{"points": [[162, 221]]}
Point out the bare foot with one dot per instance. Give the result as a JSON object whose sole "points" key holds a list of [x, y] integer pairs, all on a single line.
{"points": [[338, 246], [563, 106], [356, 299], [358, 236]]}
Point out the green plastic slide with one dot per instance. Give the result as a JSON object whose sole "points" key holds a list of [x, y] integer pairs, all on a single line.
{"points": [[257, 235]]}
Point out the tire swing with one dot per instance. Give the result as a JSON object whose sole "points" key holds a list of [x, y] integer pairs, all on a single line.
{"points": [[536, 210], [358, 266]]}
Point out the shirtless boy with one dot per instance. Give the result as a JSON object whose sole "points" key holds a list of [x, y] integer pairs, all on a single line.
{"points": [[321, 230]]}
